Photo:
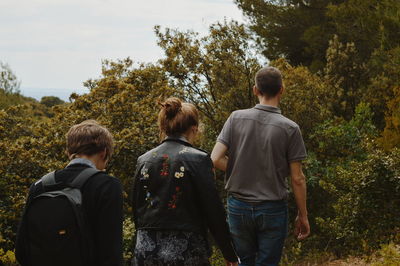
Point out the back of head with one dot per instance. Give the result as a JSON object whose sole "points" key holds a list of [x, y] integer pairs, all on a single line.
{"points": [[89, 138], [269, 81], [176, 117]]}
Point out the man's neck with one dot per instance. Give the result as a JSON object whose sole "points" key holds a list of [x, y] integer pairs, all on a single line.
{"points": [[270, 101]]}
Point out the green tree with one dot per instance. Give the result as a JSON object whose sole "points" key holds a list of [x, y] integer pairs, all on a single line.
{"points": [[307, 98], [9, 88], [383, 94], [215, 72], [51, 101], [8, 81], [391, 134], [346, 77], [295, 29], [300, 30], [369, 24]]}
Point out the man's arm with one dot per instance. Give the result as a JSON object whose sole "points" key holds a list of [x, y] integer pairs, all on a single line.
{"points": [[302, 227], [218, 156]]}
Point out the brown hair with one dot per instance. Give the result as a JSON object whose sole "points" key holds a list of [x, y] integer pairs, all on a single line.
{"points": [[176, 117], [269, 81], [89, 138]]}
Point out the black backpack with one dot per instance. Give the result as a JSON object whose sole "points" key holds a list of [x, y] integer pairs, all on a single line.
{"points": [[57, 231]]}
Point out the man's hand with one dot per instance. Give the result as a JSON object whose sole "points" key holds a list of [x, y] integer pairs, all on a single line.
{"points": [[228, 263], [301, 227]]}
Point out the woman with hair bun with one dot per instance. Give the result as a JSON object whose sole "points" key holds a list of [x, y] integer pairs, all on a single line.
{"points": [[175, 201]]}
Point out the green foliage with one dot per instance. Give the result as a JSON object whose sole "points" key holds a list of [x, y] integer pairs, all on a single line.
{"points": [[346, 76], [391, 134], [369, 24], [307, 99], [300, 30], [13, 99], [336, 146], [388, 255], [8, 81], [27, 150], [216, 258], [386, 86], [367, 203], [7, 258], [383, 85], [294, 29], [215, 72], [51, 101], [128, 238], [339, 140]]}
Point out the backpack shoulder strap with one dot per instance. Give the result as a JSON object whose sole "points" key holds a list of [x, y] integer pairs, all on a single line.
{"points": [[83, 176], [49, 180]]}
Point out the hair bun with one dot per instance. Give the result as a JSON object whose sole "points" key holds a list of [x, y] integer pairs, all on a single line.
{"points": [[172, 106]]}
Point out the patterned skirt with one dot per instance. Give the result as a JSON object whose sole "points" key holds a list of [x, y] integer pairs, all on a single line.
{"points": [[172, 248]]}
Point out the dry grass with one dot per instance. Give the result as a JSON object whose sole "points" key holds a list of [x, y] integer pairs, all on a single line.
{"points": [[353, 261]]}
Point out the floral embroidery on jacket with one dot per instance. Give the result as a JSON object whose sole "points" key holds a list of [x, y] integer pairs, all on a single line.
{"points": [[165, 166], [145, 182], [148, 198], [172, 203], [180, 173], [185, 149], [145, 173]]}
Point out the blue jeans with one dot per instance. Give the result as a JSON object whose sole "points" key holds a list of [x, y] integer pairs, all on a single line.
{"points": [[258, 230]]}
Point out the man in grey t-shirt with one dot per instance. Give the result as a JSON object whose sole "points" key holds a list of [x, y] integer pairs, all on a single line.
{"points": [[259, 148]]}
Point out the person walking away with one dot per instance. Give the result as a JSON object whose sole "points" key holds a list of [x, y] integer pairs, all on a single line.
{"points": [[73, 216], [259, 148], [175, 201]]}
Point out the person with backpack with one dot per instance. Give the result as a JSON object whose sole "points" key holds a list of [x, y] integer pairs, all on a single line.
{"points": [[73, 216], [175, 201]]}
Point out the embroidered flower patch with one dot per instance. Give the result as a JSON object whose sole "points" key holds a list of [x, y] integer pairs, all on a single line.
{"points": [[145, 173], [180, 173], [165, 166], [172, 203], [148, 198], [185, 149]]}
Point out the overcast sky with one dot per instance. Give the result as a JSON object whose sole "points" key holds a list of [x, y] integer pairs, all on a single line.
{"points": [[55, 45]]}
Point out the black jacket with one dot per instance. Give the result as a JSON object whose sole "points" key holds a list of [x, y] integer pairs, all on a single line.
{"points": [[174, 189], [102, 203]]}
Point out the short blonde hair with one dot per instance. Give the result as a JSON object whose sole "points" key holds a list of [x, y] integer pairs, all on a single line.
{"points": [[88, 138]]}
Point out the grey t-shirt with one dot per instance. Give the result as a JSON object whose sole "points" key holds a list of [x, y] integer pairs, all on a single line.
{"points": [[261, 143]]}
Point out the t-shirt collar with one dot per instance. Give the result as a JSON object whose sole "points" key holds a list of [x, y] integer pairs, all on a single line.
{"points": [[268, 108], [82, 161]]}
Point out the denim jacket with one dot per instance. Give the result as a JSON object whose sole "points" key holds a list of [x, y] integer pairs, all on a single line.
{"points": [[174, 189]]}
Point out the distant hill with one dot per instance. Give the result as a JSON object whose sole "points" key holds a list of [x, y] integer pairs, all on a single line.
{"points": [[62, 93], [39, 109]]}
